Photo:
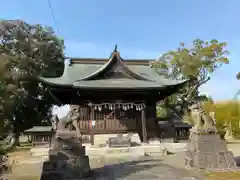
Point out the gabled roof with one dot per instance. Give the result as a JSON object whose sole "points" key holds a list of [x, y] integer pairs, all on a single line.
{"points": [[39, 129], [116, 60], [87, 75]]}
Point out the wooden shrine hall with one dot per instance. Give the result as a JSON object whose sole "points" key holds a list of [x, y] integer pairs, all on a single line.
{"points": [[114, 95]]}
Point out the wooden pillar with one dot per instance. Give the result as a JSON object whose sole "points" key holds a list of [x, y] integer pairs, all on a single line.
{"points": [[50, 138], [33, 139], [144, 129], [91, 125]]}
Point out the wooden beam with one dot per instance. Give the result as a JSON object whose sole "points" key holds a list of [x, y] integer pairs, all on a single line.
{"points": [[105, 60], [144, 129]]}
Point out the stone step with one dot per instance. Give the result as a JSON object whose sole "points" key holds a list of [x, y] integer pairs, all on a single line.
{"points": [[124, 151], [150, 150], [103, 138], [144, 149]]}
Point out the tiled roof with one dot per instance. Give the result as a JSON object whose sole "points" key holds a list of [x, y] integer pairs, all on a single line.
{"points": [[39, 129], [80, 74]]}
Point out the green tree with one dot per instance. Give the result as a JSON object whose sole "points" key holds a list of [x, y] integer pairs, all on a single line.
{"points": [[27, 51], [196, 63]]}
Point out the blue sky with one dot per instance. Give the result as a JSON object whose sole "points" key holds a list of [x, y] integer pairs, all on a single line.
{"points": [[142, 29]]}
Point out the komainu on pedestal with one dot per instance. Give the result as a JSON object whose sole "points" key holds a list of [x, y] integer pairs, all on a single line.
{"points": [[67, 159], [205, 150]]}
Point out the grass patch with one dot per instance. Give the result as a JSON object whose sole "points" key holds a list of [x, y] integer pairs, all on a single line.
{"points": [[222, 176], [12, 177], [29, 178]]}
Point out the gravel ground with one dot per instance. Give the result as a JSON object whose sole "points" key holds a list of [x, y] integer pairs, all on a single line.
{"points": [[125, 168], [169, 167]]}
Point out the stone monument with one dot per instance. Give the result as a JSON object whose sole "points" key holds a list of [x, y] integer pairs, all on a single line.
{"points": [[205, 150], [67, 159]]}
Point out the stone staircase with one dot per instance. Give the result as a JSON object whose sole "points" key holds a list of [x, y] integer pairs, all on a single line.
{"points": [[144, 149], [101, 148], [100, 140]]}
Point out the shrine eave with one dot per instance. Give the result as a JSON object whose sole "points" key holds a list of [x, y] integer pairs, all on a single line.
{"points": [[115, 58], [111, 84], [92, 76], [39, 129]]}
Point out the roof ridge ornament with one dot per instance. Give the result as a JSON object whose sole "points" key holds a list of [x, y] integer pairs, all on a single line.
{"points": [[115, 49], [115, 52]]}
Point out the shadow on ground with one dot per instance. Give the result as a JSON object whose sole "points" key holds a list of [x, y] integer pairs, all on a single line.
{"points": [[141, 169], [125, 169]]}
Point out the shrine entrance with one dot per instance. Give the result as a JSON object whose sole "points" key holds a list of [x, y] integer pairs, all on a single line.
{"points": [[122, 93], [106, 120]]}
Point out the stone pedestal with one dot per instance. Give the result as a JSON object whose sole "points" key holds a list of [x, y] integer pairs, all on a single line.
{"points": [[69, 162], [206, 151]]}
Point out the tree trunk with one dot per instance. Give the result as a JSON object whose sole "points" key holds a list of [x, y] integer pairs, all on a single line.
{"points": [[17, 139], [16, 132]]}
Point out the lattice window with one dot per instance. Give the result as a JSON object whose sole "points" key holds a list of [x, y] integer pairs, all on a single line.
{"points": [[108, 114], [122, 113], [117, 119], [84, 113]]}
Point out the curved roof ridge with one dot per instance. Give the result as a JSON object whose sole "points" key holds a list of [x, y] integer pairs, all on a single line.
{"points": [[114, 55], [134, 73], [99, 70]]}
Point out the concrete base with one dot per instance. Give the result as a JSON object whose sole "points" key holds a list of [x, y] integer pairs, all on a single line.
{"points": [[208, 152], [150, 149], [154, 149], [66, 163]]}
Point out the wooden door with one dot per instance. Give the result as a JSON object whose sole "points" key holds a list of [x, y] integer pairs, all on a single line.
{"points": [[84, 118], [109, 121]]}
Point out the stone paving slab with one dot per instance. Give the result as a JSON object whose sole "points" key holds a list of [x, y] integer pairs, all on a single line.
{"points": [[144, 168]]}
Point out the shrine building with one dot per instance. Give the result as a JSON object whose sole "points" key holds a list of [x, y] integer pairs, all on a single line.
{"points": [[114, 95]]}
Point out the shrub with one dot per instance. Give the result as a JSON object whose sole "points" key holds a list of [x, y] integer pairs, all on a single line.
{"points": [[2, 151], [227, 113], [161, 112], [188, 119]]}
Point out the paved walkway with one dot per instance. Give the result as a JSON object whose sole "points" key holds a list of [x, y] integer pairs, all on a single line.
{"points": [[144, 168], [166, 167]]}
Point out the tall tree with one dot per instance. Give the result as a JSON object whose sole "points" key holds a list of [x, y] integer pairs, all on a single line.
{"points": [[238, 76], [196, 63], [27, 51]]}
